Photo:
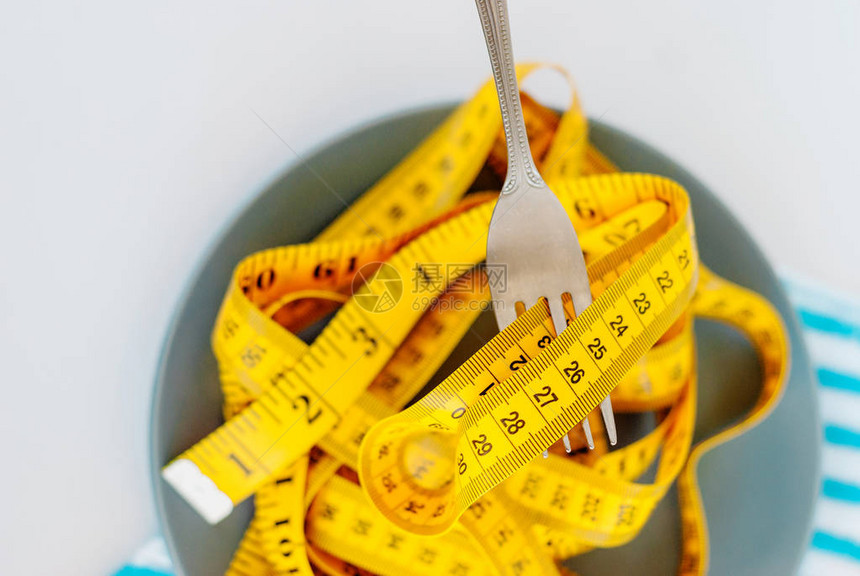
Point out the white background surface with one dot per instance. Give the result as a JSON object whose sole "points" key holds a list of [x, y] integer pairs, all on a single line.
{"points": [[127, 139]]}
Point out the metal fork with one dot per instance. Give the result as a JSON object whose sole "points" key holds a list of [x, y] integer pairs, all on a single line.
{"points": [[530, 233]]}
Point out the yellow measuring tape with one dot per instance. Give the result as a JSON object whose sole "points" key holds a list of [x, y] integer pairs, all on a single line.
{"points": [[347, 481]]}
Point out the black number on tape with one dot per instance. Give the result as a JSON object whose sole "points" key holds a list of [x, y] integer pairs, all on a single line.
{"points": [[482, 446], [325, 270], [310, 417], [545, 396], [642, 303], [253, 355], [574, 372], [388, 482], [229, 327], [513, 422], [597, 349], [362, 334], [618, 325], [266, 279], [664, 281], [614, 239], [521, 361], [582, 208], [461, 465]]}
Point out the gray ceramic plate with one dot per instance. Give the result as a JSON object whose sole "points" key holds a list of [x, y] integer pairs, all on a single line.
{"points": [[759, 490]]}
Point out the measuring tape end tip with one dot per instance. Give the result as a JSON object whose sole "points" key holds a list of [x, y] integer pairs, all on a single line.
{"points": [[198, 490]]}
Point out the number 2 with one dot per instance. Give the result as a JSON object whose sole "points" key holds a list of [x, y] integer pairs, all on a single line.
{"points": [[521, 361], [307, 401]]}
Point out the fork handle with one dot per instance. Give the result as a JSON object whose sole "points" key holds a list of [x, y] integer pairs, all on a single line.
{"points": [[494, 21]]}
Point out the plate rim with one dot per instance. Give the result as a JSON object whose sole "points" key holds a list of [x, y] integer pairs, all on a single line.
{"points": [[247, 201]]}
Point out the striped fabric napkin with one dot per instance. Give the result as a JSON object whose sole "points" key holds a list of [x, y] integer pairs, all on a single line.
{"points": [[831, 326]]}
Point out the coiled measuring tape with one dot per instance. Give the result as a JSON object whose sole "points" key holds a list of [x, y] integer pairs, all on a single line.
{"points": [[347, 481]]}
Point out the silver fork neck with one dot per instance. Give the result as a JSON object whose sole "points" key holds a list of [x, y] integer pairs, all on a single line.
{"points": [[494, 21]]}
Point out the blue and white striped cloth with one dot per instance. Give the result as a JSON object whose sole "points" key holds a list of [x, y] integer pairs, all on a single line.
{"points": [[831, 326]]}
